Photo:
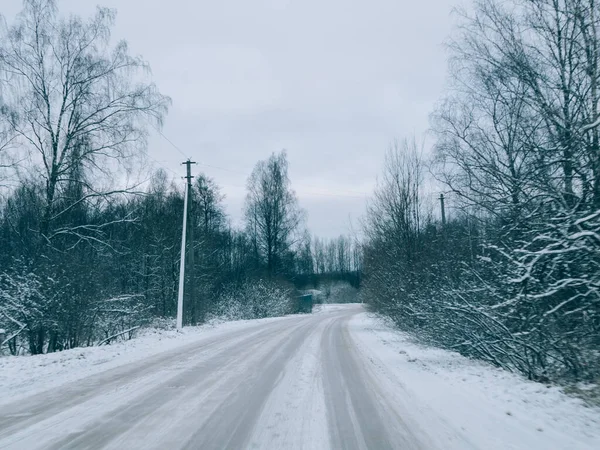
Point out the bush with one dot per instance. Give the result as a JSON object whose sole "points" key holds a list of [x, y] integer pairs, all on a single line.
{"points": [[254, 300]]}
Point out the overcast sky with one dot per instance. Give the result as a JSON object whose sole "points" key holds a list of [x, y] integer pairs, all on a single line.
{"points": [[331, 81]]}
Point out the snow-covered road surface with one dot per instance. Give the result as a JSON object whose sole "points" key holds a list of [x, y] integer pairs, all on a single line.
{"points": [[315, 381]]}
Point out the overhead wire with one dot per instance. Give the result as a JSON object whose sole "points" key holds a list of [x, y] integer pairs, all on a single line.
{"points": [[168, 140], [353, 194]]}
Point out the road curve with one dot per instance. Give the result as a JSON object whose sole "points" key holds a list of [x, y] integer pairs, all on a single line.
{"points": [[298, 383]]}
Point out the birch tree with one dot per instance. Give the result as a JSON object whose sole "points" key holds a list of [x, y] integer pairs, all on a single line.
{"points": [[79, 104], [78, 107]]}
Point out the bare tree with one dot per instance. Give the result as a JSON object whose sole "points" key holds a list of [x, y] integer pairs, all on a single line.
{"points": [[81, 104], [398, 199], [393, 225], [549, 48], [318, 252], [518, 146], [79, 107], [7, 115], [272, 212], [208, 199], [484, 150]]}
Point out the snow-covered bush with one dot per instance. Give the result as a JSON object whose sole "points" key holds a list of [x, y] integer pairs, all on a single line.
{"points": [[23, 310], [511, 273], [254, 300], [40, 317]]}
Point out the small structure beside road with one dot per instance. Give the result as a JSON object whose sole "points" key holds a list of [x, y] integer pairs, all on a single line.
{"points": [[305, 303]]}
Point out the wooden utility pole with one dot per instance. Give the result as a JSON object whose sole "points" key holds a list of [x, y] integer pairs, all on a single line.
{"points": [[183, 242]]}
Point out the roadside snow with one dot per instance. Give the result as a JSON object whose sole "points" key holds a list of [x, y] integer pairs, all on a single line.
{"points": [[468, 404], [332, 307], [460, 404], [22, 376]]}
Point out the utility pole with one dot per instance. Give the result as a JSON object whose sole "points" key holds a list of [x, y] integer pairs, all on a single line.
{"points": [[182, 265], [192, 266], [443, 210], [183, 242]]}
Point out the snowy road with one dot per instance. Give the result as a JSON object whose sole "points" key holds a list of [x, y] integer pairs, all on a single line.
{"points": [[290, 384], [334, 379]]}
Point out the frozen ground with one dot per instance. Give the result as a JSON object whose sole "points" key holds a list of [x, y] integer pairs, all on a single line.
{"points": [[339, 378]]}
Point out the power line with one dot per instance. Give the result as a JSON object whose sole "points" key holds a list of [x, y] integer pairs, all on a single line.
{"points": [[321, 194], [167, 139], [186, 156], [360, 195], [161, 164], [223, 168], [338, 194]]}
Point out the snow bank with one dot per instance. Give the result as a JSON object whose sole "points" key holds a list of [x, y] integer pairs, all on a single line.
{"points": [[468, 404]]}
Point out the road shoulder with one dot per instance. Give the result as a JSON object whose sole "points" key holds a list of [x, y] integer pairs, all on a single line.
{"points": [[468, 404]]}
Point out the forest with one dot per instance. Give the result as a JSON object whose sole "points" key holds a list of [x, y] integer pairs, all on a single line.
{"points": [[508, 272], [512, 277], [89, 248]]}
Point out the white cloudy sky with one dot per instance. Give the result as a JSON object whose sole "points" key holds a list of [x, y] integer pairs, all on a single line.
{"points": [[331, 81]]}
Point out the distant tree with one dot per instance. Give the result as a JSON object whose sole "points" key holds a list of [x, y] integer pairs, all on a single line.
{"points": [[209, 208], [396, 211], [319, 256], [305, 262], [272, 213]]}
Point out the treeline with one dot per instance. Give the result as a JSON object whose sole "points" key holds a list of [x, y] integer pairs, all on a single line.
{"points": [[116, 266], [514, 276], [331, 260], [88, 251]]}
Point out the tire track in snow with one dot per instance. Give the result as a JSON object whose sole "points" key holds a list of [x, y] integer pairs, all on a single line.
{"points": [[359, 415], [69, 411], [298, 383], [32, 410], [243, 403]]}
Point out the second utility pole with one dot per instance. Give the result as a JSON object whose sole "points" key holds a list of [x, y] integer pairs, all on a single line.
{"points": [[443, 210]]}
